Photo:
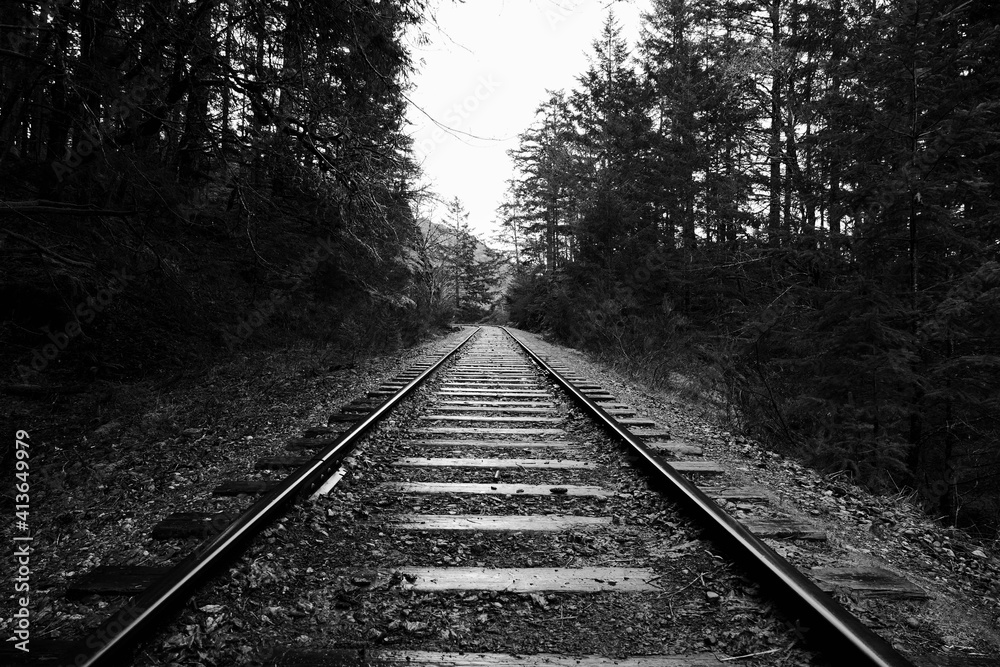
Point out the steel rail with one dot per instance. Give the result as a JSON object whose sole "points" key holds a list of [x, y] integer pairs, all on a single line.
{"points": [[123, 630], [842, 627]]}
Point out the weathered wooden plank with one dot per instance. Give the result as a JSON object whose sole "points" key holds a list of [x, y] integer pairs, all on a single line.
{"points": [[360, 406], [490, 386], [378, 657], [677, 448], [867, 582], [929, 660], [296, 444], [342, 417], [486, 362], [240, 486], [513, 523], [501, 370], [115, 580], [506, 375], [747, 494], [532, 464], [785, 528], [180, 525], [502, 366], [499, 404], [516, 369], [281, 462], [454, 430], [527, 377], [493, 392], [498, 488], [496, 444], [494, 408], [507, 579], [698, 467], [643, 422], [44, 653], [516, 384], [498, 419], [650, 433]]}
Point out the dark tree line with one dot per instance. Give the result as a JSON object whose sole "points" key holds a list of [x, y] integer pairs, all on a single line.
{"points": [[805, 193], [211, 147]]}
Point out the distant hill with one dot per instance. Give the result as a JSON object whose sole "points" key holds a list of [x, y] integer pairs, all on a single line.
{"points": [[444, 233]]}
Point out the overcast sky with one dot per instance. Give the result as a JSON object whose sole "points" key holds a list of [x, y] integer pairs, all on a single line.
{"points": [[484, 73]]}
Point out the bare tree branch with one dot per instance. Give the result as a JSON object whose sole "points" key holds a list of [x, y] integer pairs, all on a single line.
{"points": [[46, 251]]}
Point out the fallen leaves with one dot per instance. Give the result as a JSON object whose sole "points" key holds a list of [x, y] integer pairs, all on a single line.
{"points": [[540, 600]]}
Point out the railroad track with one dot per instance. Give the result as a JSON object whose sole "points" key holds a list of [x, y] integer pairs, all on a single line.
{"points": [[493, 514]]}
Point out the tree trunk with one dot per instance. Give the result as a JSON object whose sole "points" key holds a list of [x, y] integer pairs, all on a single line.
{"points": [[21, 90], [291, 71], [194, 144], [836, 56], [58, 121], [685, 122], [228, 138], [256, 95], [774, 146]]}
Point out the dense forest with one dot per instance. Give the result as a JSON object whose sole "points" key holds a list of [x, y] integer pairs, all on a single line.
{"points": [[181, 178], [793, 202], [800, 198]]}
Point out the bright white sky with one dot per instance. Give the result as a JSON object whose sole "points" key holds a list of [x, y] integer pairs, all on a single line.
{"points": [[484, 73]]}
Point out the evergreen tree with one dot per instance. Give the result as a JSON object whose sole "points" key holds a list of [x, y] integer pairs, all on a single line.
{"points": [[473, 269], [611, 136], [550, 175]]}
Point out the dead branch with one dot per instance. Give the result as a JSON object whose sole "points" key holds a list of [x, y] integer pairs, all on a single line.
{"points": [[58, 208], [46, 251]]}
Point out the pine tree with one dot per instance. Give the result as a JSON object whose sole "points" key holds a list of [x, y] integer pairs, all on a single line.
{"points": [[612, 136], [550, 176], [472, 268]]}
